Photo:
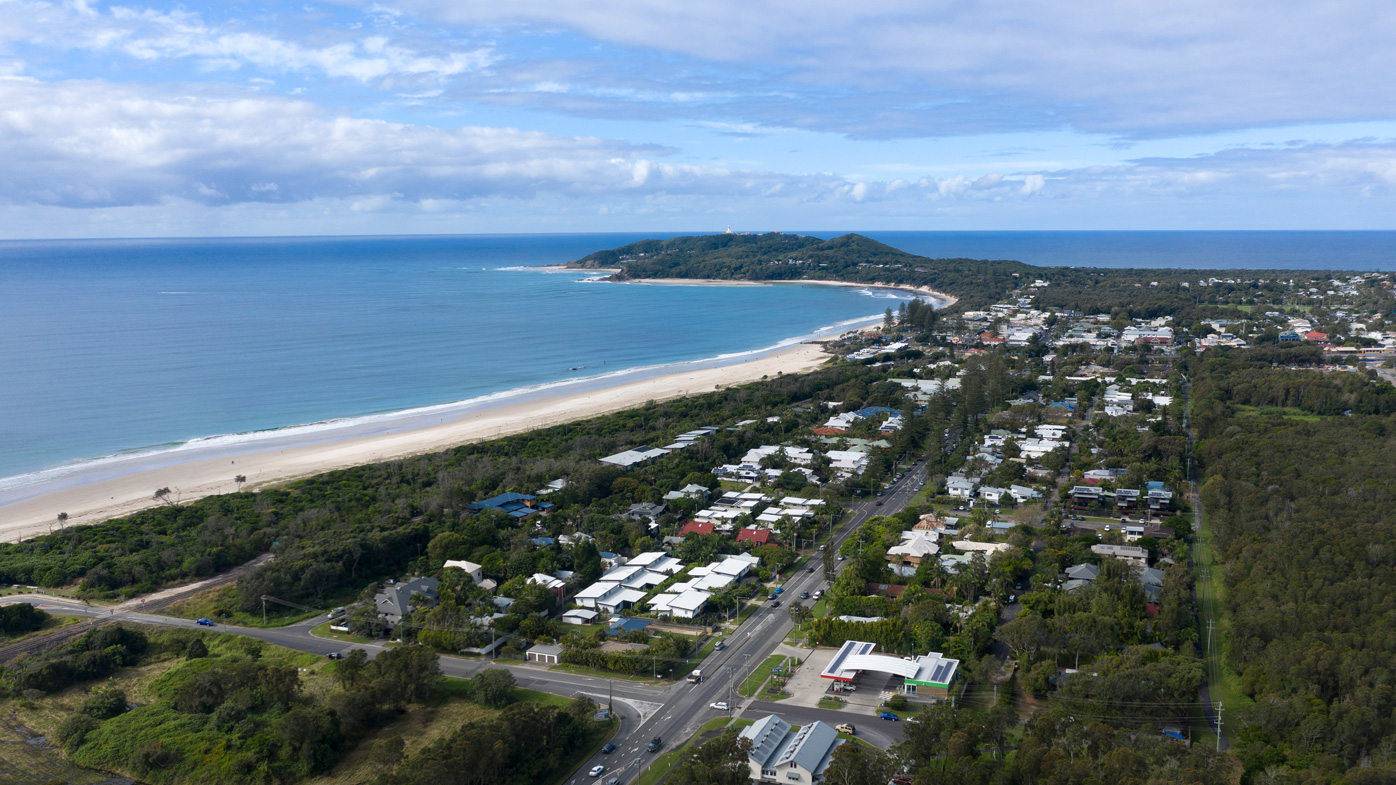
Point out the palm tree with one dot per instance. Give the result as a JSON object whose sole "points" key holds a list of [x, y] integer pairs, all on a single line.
{"points": [[240, 479]]}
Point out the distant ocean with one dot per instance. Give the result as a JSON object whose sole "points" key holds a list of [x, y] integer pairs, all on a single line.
{"points": [[108, 347]]}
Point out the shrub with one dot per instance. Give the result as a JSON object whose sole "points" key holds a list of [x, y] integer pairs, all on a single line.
{"points": [[72, 732], [104, 703]]}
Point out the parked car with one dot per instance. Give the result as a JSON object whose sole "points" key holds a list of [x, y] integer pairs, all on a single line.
{"points": [[777, 590], [720, 706], [203, 622], [608, 749], [846, 728], [655, 744], [720, 646], [819, 594], [597, 771], [887, 715]]}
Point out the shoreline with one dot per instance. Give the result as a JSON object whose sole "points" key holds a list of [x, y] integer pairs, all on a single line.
{"points": [[939, 299], [126, 484]]}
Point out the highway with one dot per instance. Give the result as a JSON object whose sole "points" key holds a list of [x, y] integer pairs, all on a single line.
{"points": [[671, 712]]}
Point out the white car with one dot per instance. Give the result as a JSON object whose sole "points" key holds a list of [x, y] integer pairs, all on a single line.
{"points": [[597, 771], [720, 705]]}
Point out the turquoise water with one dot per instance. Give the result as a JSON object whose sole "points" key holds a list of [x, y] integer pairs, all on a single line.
{"points": [[120, 345]]}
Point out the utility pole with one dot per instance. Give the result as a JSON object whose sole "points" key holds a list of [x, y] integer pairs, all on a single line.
{"points": [[1219, 725], [1210, 624]]}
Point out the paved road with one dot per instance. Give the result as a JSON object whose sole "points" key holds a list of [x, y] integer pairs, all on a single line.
{"points": [[672, 712]]}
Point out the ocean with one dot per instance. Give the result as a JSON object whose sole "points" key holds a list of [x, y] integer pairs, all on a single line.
{"points": [[110, 347]]}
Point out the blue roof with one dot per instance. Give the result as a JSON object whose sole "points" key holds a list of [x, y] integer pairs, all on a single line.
{"points": [[628, 625], [519, 505], [1153, 485], [542, 541], [871, 410]]}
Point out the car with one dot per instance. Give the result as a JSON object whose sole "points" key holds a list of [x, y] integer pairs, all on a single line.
{"points": [[846, 728], [334, 655], [842, 557], [613, 781], [818, 594], [879, 502], [655, 743], [598, 770], [775, 603], [777, 590], [336, 612], [887, 715], [809, 569], [720, 646], [804, 595], [203, 622], [720, 706], [608, 749]]}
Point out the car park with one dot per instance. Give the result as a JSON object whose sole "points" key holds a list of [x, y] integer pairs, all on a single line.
{"points": [[598, 770], [608, 749]]}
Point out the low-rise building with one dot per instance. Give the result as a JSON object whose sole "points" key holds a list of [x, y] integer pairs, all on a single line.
{"points": [[781, 755]]}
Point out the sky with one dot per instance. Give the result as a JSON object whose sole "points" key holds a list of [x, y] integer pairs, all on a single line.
{"points": [[426, 116]]}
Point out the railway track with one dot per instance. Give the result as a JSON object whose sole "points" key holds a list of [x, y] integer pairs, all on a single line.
{"points": [[48, 640]]}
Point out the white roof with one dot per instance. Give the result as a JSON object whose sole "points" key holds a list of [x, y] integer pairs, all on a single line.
{"points": [[468, 566], [597, 590], [690, 601]]}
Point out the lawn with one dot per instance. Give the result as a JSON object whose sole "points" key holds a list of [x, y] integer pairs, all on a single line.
{"points": [[759, 676], [829, 702], [324, 631], [666, 761], [820, 608]]}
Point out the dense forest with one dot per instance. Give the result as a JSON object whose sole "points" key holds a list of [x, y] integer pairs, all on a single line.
{"points": [[1300, 502]]}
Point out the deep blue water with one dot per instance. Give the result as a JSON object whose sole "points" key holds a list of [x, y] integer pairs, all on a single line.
{"points": [[107, 346]]}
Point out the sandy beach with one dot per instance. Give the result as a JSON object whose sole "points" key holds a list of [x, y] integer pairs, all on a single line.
{"points": [[940, 299], [190, 479]]}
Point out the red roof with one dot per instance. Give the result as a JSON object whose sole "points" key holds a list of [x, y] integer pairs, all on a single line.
{"points": [[758, 536], [828, 431], [694, 527], [1315, 336]]}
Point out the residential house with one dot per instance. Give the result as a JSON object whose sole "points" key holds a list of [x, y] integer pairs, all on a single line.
{"points": [[518, 505], [475, 571], [544, 655], [1131, 554], [396, 601], [916, 546], [635, 457]]}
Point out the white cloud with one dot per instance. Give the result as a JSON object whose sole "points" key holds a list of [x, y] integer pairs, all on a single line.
{"points": [[91, 144], [1133, 68]]}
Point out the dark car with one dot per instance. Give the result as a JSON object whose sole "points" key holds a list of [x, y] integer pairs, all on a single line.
{"points": [[655, 744], [334, 655], [809, 569], [775, 603], [804, 595], [879, 502], [608, 749], [203, 622]]}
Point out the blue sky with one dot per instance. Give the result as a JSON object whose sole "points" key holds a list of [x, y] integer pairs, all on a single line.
{"points": [[243, 118]]}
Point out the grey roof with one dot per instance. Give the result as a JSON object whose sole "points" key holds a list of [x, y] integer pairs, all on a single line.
{"points": [[546, 650], [396, 601], [1083, 572], [767, 736], [1150, 576], [810, 748], [943, 671]]}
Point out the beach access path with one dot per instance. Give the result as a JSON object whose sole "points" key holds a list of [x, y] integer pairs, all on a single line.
{"points": [[190, 476]]}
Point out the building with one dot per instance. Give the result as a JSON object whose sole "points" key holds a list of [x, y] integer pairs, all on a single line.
{"points": [[696, 527], [781, 755], [472, 569], [553, 585], [643, 511], [691, 491], [544, 655], [916, 546], [929, 675], [396, 601], [1131, 554], [632, 458], [959, 488], [518, 505], [754, 536]]}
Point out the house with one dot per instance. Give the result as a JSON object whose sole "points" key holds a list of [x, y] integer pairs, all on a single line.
{"points": [[1023, 494], [552, 487], [1127, 499], [472, 569], [756, 537], [1083, 572], [632, 458], [1317, 337], [1289, 336], [1084, 497], [1132, 554], [544, 655], [1159, 500], [643, 511], [621, 625], [991, 494], [696, 527], [916, 546], [960, 488], [396, 601], [553, 585], [781, 755], [579, 616], [691, 491], [518, 505]]}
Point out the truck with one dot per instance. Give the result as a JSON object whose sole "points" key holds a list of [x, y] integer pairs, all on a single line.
{"points": [[696, 676]]}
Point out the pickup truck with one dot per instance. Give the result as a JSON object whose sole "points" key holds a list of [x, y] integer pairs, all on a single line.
{"points": [[696, 676]]}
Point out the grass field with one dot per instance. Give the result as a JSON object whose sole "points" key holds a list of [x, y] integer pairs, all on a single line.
{"points": [[1288, 412], [324, 631], [758, 677], [222, 605]]}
